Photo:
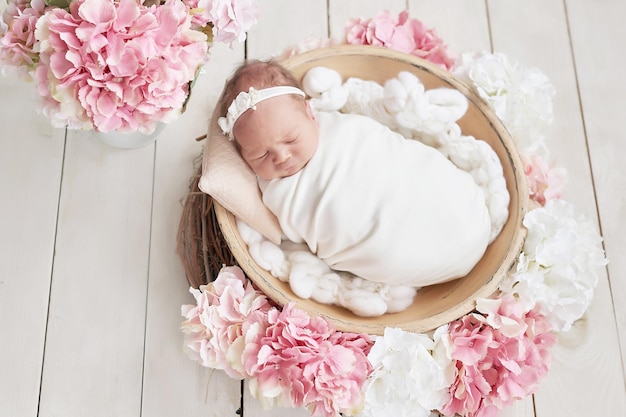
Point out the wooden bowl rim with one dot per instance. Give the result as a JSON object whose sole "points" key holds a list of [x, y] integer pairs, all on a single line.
{"points": [[266, 282]]}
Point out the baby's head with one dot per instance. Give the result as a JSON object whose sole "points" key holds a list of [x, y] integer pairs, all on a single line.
{"points": [[266, 113]]}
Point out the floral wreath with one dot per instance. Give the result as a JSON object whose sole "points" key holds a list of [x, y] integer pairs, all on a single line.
{"points": [[473, 366]]}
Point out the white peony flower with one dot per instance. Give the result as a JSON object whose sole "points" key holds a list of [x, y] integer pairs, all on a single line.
{"points": [[411, 375], [559, 266], [522, 98]]}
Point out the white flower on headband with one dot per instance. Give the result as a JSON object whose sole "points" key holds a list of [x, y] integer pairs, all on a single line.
{"points": [[248, 100]]}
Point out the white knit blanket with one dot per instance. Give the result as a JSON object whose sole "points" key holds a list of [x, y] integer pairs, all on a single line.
{"points": [[408, 216]]}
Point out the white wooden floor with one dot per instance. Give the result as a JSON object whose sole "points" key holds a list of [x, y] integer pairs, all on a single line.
{"points": [[91, 287]]}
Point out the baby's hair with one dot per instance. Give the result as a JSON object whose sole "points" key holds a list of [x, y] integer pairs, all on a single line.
{"points": [[258, 74]]}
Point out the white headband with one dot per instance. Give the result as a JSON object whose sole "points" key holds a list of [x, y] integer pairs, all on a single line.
{"points": [[246, 101]]}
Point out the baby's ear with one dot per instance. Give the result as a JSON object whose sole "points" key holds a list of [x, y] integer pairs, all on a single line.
{"points": [[309, 110]]}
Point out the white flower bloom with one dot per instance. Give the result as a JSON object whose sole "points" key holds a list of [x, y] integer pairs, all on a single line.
{"points": [[411, 375], [521, 98], [559, 267]]}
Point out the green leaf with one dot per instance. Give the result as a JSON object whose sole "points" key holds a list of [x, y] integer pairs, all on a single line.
{"points": [[61, 4]]}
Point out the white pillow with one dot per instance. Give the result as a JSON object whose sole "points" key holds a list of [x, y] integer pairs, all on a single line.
{"points": [[229, 180]]}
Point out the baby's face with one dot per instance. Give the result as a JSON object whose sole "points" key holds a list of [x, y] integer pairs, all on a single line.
{"points": [[278, 138]]}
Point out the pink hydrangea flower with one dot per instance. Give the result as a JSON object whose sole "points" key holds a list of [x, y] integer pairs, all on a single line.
{"points": [[309, 44], [122, 65], [545, 180], [18, 46], [471, 339], [127, 65], [228, 19], [199, 11], [215, 327], [500, 356], [401, 33], [301, 361], [231, 19]]}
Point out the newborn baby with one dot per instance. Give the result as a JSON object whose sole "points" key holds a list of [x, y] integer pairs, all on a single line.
{"points": [[362, 197]]}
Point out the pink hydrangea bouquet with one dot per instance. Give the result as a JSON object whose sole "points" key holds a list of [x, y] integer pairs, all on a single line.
{"points": [[116, 65], [290, 358], [401, 33]]}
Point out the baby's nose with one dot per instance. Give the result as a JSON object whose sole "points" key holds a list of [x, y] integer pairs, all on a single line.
{"points": [[281, 156]]}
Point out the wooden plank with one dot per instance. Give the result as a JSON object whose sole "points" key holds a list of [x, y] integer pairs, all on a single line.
{"points": [[545, 45], [521, 408], [94, 349], [174, 384], [252, 408], [463, 25], [284, 24], [602, 90], [30, 177], [584, 379]]}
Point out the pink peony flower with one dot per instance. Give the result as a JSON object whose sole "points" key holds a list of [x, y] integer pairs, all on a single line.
{"points": [[545, 181], [301, 361], [215, 328], [497, 362], [401, 33], [18, 46]]}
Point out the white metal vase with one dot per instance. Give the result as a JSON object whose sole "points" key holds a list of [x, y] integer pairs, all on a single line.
{"points": [[129, 140]]}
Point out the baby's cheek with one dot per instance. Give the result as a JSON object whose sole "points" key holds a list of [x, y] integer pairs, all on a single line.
{"points": [[267, 171], [255, 168]]}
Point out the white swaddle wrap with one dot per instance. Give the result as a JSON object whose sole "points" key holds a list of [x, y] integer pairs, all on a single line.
{"points": [[405, 106], [384, 208]]}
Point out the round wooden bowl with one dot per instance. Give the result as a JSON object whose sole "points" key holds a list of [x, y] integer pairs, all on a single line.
{"points": [[434, 305]]}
